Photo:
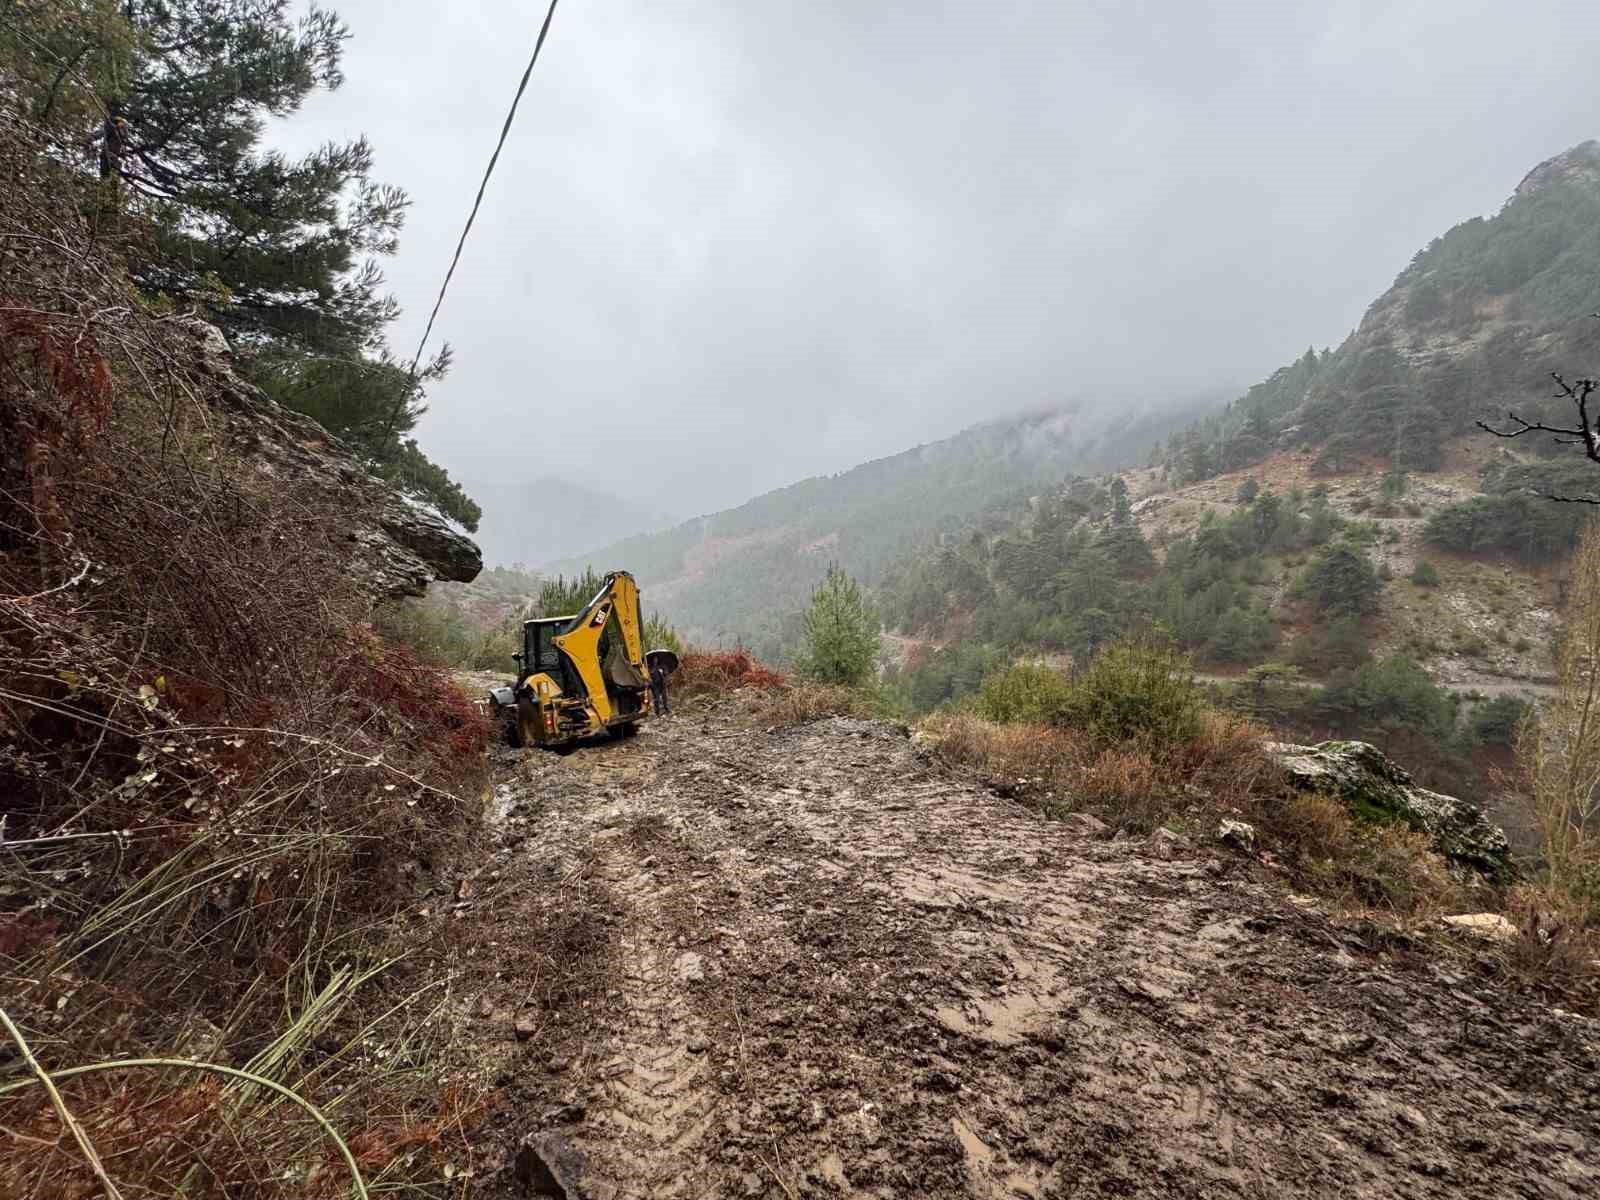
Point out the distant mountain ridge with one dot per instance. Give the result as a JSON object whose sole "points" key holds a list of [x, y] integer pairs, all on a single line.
{"points": [[737, 574], [532, 521]]}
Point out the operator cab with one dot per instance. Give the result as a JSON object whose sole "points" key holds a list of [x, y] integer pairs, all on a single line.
{"points": [[539, 651]]}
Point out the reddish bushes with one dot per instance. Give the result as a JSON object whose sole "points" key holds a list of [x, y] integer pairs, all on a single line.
{"points": [[722, 671], [387, 683], [217, 785]]}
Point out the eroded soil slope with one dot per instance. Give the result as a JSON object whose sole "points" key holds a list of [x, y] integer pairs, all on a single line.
{"points": [[810, 962]]}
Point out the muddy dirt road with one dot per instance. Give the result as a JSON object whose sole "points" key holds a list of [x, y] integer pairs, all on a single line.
{"points": [[810, 962]]}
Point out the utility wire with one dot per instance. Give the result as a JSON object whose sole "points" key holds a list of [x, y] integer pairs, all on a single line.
{"points": [[493, 158]]}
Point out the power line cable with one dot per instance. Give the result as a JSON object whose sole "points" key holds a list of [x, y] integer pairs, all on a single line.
{"points": [[488, 171]]}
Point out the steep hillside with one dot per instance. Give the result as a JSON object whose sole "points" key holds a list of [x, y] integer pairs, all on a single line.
{"points": [[736, 574], [1474, 324], [1487, 623], [203, 744], [1394, 572]]}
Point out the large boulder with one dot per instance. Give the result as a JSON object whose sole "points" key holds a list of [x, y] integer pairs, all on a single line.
{"points": [[397, 546], [1378, 789]]}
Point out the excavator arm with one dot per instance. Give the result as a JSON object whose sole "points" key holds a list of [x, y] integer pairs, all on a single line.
{"points": [[580, 643]]}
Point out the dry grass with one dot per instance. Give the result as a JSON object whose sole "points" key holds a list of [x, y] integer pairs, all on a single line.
{"points": [[215, 781], [799, 702], [1559, 753], [1556, 948], [1558, 760], [1190, 785], [1136, 784]]}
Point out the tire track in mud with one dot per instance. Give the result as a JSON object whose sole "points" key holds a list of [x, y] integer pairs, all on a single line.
{"points": [[649, 1099], [842, 971], [656, 1104]]}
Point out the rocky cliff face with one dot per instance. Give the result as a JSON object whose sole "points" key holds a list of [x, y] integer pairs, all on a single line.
{"points": [[397, 546]]}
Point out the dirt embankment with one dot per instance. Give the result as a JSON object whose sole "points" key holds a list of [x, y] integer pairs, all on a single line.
{"points": [[809, 962]]}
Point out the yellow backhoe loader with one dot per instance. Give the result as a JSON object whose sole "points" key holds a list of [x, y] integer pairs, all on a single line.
{"points": [[572, 681]]}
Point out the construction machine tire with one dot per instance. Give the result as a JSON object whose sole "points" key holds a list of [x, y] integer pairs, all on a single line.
{"points": [[624, 731]]}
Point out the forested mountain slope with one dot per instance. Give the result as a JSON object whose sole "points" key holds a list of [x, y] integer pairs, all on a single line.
{"points": [[737, 574], [1343, 530], [1474, 323]]}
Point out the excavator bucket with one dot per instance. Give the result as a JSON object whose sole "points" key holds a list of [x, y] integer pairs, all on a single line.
{"points": [[622, 673]]}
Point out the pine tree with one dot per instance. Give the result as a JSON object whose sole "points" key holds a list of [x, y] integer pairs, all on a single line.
{"points": [[1341, 581], [1199, 460], [1121, 507], [1126, 548], [842, 632], [172, 113], [165, 103]]}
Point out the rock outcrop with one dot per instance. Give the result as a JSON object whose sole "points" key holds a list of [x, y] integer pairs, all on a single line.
{"points": [[1378, 789], [1581, 164], [397, 546]]}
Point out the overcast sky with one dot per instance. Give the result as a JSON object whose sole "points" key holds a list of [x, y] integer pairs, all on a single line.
{"points": [[733, 243]]}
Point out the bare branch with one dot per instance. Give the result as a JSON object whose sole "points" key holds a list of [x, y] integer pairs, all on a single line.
{"points": [[85, 566], [1569, 499], [1584, 434]]}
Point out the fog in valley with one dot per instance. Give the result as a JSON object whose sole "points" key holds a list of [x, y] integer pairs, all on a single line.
{"points": [[737, 245]]}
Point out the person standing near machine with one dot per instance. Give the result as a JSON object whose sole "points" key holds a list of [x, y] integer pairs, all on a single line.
{"points": [[659, 670]]}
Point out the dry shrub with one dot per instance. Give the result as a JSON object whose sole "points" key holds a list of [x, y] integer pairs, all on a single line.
{"points": [[1128, 785], [1397, 869], [1319, 828], [1558, 760], [213, 777], [1559, 753], [1358, 865], [1556, 949], [1137, 784], [797, 703], [704, 673], [169, 1131], [1226, 758], [1221, 771], [1017, 755]]}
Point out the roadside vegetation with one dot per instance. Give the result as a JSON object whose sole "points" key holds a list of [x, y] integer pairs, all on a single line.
{"points": [[1136, 743], [220, 787], [1558, 751], [217, 783], [1075, 573]]}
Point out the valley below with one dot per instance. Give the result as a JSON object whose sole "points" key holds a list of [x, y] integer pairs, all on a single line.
{"points": [[718, 960]]}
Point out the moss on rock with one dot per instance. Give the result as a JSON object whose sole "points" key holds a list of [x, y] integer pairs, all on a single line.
{"points": [[1377, 789]]}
